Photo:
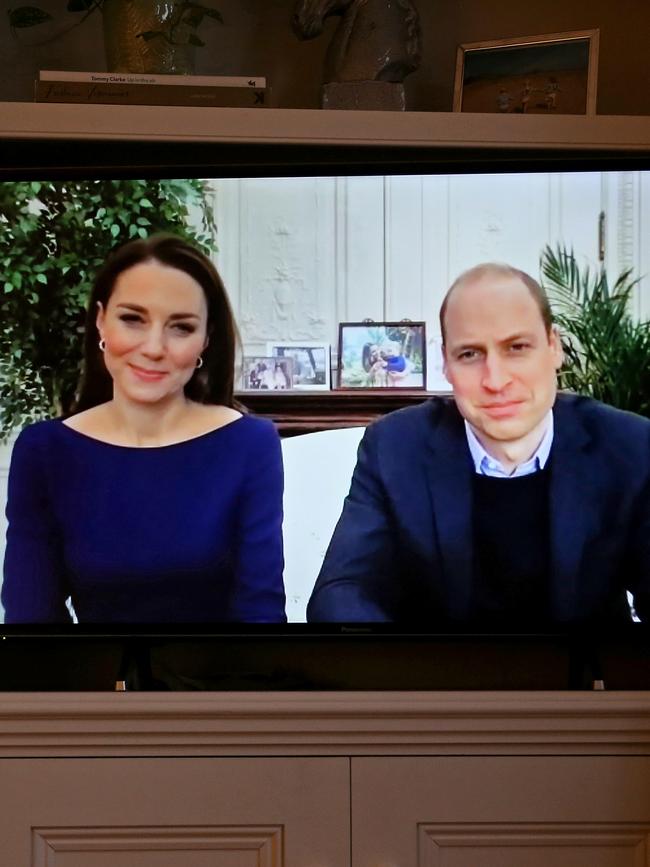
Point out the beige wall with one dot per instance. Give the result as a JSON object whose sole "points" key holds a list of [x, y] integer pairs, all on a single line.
{"points": [[257, 39]]}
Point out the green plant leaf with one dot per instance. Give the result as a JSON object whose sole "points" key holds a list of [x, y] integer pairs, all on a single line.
{"points": [[212, 13], [194, 19], [148, 35], [606, 350], [27, 16], [81, 5]]}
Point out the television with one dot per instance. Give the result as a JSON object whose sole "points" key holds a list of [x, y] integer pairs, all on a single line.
{"points": [[311, 236]]}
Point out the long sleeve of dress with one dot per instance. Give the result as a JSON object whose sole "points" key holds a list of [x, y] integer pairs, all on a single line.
{"points": [[258, 591], [34, 588]]}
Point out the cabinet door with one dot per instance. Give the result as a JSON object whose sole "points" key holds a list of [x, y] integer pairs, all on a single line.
{"points": [[501, 812], [174, 812]]}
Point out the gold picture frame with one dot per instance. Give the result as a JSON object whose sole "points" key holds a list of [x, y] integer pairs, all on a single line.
{"points": [[552, 74]]}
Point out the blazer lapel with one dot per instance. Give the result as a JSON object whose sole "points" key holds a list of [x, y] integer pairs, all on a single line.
{"points": [[574, 506], [449, 474]]}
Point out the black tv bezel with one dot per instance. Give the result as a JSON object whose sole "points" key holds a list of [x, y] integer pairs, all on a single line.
{"points": [[59, 158], [38, 158]]}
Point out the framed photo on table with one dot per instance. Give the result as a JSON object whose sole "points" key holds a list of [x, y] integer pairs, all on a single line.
{"points": [[552, 74], [311, 362], [266, 373], [382, 355]]}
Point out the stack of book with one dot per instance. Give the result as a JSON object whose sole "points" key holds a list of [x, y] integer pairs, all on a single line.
{"points": [[125, 88]]}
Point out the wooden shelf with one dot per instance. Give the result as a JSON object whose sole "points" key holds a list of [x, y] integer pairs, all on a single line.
{"points": [[301, 412], [24, 120]]}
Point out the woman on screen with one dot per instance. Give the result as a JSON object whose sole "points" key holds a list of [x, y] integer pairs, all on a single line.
{"points": [[157, 501]]}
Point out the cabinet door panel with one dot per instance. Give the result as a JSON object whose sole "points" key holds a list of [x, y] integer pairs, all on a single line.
{"points": [[205, 812], [501, 812]]}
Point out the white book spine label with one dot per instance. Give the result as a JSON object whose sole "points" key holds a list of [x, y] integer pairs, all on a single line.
{"points": [[257, 82]]}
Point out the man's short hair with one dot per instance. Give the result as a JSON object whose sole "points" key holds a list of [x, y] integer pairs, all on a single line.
{"points": [[500, 270]]}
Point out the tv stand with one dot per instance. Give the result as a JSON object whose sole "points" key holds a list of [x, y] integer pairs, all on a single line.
{"points": [[332, 779]]}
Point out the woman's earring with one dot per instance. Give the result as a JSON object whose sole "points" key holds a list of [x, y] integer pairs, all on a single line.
{"points": [[199, 363], [102, 345]]}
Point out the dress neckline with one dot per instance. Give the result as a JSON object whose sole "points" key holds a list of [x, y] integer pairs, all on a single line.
{"points": [[194, 439]]}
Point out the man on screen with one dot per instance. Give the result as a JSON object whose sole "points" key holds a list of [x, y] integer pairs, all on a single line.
{"points": [[508, 506]]}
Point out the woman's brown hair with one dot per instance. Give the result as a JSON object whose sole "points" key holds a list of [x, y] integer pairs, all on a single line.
{"points": [[214, 382]]}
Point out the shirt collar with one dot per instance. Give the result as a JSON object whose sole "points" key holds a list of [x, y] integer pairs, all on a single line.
{"points": [[486, 465]]}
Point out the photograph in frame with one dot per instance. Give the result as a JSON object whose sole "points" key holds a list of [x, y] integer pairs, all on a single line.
{"points": [[266, 373], [551, 74], [382, 355], [311, 362]]}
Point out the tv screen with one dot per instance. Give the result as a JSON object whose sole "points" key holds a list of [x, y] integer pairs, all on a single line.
{"points": [[325, 256]]}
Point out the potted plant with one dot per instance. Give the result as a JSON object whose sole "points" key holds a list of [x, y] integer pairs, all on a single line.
{"points": [[146, 36], [54, 236], [607, 351]]}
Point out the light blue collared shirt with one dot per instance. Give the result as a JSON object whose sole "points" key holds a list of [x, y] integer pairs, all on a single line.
{"points": [[486, 465]]}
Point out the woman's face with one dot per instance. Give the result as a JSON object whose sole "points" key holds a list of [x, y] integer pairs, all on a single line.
{"points": [[155, 326]]}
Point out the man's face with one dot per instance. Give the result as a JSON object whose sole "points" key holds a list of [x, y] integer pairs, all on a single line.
{"points": [[498, 357]]}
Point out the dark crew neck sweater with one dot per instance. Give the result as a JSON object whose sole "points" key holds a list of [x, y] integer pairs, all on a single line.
{"points": [[511, 549]]}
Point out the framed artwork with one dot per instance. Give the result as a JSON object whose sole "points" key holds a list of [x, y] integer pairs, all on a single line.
{"points": [[552, 74], [311, 362], [265, 373], [382, 355]]}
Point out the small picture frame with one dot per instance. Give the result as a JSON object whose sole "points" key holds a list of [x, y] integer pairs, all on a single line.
{"points": [[266, 373], [552, 74], [311, 362], [381, 355]]}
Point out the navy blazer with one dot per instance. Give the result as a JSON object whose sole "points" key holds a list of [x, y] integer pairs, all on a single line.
{"points": [[402, 550]]}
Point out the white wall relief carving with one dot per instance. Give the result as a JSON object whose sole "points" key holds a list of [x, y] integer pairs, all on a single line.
{"points": [[279, 264]]}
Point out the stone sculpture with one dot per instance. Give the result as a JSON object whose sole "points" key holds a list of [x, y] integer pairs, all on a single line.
{"points": [[377, 43]]}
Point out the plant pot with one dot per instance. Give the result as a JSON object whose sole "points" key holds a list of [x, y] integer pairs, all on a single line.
{"points": [[167, 52]]}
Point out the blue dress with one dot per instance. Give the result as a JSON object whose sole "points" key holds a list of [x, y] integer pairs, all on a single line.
{"points": [[185, 533]]}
